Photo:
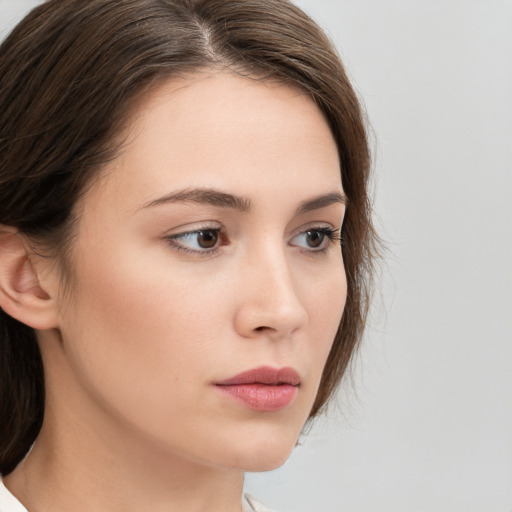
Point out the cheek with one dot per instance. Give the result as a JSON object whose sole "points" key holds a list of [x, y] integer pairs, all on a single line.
{"points": [[326, 297], [325, 300], [136, 331], [144, 292]]}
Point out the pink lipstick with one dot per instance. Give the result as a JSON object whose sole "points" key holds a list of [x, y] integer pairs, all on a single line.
{"points": [[263, 389]]}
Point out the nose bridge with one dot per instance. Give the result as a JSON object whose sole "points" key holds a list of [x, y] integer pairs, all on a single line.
{"points": [[271, 301]]}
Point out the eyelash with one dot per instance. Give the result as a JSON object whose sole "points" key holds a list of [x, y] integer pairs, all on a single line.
{"points": [[333, 236]]}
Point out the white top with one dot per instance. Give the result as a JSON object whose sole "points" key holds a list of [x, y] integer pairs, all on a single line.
{"points": [[251, 505], [8, 503]]}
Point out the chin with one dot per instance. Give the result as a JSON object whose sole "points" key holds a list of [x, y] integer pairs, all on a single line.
{"points": [[261, 453], [262, 442], [266, 464]]}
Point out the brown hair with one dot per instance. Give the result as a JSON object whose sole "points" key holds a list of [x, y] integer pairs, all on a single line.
{"points": [[68, 75]]}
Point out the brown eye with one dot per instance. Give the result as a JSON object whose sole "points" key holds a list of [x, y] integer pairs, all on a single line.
{"points": [[207, 239], [200, 241], [315, 238]]}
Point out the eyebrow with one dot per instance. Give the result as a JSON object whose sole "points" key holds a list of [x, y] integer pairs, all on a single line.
{"points": [[243, 204], [321, 202], [204, 196]]}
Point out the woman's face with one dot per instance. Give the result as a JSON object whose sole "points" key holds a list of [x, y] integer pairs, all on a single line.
{"points": [[208, 249]]}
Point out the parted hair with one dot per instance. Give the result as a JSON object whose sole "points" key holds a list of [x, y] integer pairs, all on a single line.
{"points": [[69, 73]]}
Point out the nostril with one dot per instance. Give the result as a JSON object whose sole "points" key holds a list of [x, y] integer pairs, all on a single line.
{"points": [[259, 319]]}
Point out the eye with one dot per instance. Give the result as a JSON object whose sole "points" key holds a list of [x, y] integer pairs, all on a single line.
{"points": [[199, 241], [316, 239]]}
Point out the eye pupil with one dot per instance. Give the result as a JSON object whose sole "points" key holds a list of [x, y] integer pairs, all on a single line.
{"points": [[315, 238], [207, 239]]}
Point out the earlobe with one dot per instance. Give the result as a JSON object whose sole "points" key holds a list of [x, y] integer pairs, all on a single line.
{"points": [[21, 293]]}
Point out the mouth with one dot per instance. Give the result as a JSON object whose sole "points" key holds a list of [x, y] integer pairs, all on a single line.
{"points": [[262, 389]]}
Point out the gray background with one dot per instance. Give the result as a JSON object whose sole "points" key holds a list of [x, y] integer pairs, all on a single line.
{"points": [[426, 423]]}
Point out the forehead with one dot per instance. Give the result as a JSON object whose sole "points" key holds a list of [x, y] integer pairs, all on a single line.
{"points": [[221, 130]]}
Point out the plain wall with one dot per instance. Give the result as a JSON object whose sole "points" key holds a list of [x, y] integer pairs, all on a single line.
{"points": [[426, 424]]}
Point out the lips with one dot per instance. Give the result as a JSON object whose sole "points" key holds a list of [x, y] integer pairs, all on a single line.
{"points": [[263, 389]]}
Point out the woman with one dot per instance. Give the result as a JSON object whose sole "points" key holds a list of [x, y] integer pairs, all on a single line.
{"points": [[177, 178]]}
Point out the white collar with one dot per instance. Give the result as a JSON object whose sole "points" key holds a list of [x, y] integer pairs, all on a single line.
{"points": [[252, 505], [8, 503]]}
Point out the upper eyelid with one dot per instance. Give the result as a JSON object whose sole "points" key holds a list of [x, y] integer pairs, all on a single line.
{"points": [[180, 234], [333, 232], [194, 227], [314, 225], [191, 232]]}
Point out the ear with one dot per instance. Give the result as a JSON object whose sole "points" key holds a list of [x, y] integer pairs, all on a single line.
{"points": [[21, 294]]}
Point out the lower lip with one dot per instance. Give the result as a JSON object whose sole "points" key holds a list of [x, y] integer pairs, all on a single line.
{"points": [[261, 397]]}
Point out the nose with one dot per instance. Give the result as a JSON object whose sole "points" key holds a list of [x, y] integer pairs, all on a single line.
{"points": [[268, 301]]}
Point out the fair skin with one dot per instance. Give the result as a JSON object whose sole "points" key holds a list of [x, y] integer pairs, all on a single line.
{"points": [[202, 251]]}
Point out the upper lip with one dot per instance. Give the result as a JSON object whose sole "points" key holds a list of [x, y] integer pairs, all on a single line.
{"points": [[264, 375]]}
